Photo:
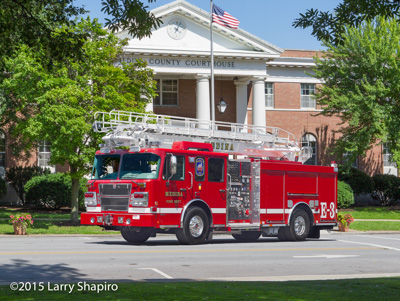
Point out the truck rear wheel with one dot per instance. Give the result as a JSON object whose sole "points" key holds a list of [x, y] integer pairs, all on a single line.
{"points": [[136, 236], [299, 225], [247, 236], [195, 227]]}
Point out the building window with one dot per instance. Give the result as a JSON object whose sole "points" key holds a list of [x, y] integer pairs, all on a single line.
{"points": [[269, 95], [307, 96], [167, 90], [387, 156], [309, 140], [2, 154], [44, 154], [346, 157]]}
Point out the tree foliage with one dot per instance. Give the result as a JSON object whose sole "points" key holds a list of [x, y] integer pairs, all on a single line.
{"points": [[34, 22], [328, 26], [362, 86], [57, 104]]}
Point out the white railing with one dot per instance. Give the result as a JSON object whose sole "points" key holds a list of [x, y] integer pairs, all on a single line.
{"points": [[119, 121]]}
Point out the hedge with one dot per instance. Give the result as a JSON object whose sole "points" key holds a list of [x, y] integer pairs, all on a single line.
{"points": [[387, 189], [52, 191], [345, 195], [359, 181], [3, 188]]}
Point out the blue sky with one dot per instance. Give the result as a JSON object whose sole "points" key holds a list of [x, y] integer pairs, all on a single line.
{"points": [[270, 20]]}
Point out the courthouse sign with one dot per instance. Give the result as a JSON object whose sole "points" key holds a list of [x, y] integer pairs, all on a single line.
{"points": [[236, 66]]}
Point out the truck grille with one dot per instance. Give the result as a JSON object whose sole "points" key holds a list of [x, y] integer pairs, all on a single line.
{"points": [[115, 189], [114, 197], [114, 204]]}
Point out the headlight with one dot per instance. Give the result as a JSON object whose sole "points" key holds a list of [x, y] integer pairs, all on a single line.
{"points": [[139, 199], [90, 199]]}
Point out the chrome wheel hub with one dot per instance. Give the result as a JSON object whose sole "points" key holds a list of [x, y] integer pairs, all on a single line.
{"points": [[299, 225], [196, 226]]}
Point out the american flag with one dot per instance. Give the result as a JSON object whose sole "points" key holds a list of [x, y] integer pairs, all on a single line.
{"points": [[223, 18]]}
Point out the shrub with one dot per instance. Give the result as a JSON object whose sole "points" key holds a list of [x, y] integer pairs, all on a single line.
{"points": [[359, 181], [387, 189], [19, 176], [52, 191], [3, 188], [345, 195]]}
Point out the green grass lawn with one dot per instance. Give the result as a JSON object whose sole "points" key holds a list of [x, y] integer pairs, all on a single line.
{"points": [[6, 212], [373, 213], [351, 289], [375, 226], [54, 227]]}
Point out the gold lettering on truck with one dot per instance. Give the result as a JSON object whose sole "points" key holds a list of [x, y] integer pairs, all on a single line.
{"points": [[173, 193]]}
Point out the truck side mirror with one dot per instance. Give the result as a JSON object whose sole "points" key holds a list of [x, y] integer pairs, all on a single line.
{"points": [[173, 165]]}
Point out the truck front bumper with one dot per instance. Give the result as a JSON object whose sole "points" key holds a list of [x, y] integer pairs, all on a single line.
{"points": [[118, 219]]}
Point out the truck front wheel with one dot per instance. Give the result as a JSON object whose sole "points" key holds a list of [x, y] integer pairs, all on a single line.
{"points": [[136, 236], [195, 227]]}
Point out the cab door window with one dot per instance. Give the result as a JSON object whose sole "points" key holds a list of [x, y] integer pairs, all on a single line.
{"points": [[180, 171], [215, 170]]}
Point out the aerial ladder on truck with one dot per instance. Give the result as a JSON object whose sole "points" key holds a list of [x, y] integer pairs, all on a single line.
{"points": [[141, 130]]}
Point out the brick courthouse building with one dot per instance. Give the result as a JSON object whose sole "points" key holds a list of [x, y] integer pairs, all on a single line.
{"points": [[261, 84]]}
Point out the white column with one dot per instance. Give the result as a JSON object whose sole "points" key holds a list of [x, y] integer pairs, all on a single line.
{"points": [[259, 101], [241, 100], [203, 97]]}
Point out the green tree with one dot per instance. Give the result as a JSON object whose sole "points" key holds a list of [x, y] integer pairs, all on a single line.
{"points": [[327, 26], [362, 86], [58, 105], [34, 22]]}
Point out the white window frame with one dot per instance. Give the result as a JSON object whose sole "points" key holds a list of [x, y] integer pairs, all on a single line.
{"points": [[307, 98], [160, 93], [44, 162], [387, 156], [310, 140], [269, 95], [388, 166], [3, 150]]}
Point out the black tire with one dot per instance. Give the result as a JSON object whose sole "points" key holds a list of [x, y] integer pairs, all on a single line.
{"points": [[299, 225], [247, 236], [195, 227], [136, 236], [284, 234]]}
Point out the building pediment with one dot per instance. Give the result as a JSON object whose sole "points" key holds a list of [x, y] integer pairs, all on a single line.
{"points": [[192, 37]]}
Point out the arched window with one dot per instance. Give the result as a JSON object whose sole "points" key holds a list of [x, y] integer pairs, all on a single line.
{"points": [[309, 140], [2, 154]]}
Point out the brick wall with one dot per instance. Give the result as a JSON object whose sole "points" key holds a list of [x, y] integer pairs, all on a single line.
{"points": [[187, 100]]}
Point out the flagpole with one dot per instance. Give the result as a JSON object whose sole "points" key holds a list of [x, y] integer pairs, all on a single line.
{"points": [[212, 65]]}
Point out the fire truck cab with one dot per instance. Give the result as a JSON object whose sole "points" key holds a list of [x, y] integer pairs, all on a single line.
{"points": [[193, 191]]}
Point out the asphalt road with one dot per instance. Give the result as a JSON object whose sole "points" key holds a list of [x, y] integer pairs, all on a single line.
{"points": [[71, 259]]}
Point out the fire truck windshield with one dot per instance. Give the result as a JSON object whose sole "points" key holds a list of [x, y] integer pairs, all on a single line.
{"points": [[133, 166]]}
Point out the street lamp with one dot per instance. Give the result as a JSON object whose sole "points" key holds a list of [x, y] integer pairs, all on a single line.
{"points": [[221, 106]]}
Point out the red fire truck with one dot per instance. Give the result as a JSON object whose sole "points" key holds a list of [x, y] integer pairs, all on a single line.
{"points": [[155, 174]]}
